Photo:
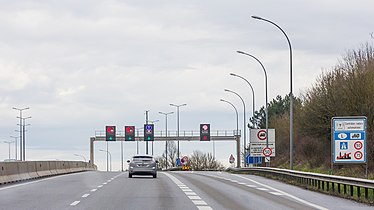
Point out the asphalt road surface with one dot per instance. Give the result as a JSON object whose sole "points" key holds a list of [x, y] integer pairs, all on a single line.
{"points": [[170, 190]]}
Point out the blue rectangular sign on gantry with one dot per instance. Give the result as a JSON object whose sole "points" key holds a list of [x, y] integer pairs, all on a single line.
{"points": [[349, 139]]}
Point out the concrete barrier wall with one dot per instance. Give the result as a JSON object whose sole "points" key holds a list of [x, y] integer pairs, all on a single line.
{"points": [[23, 171], [42, 168], [18, 171], [31, 166]]}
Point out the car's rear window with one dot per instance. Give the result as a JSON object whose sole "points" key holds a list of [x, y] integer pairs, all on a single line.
{"points": [[142, 158]]}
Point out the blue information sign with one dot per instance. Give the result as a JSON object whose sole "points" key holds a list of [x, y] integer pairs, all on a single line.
{"points": [[349, 139], [253, 160]]}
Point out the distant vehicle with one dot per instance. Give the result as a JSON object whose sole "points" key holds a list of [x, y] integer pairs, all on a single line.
{"points": [[142, 165]]}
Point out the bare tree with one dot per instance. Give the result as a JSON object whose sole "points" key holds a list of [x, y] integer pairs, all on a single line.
{"points": [[204, 161]]}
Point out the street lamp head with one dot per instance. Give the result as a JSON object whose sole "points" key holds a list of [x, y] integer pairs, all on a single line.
{"points": [[241, 52], [178, 105], [227, 90], [232, 74], [257, 17]]}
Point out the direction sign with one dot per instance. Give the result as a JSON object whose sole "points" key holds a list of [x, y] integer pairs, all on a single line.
{"points": [[253, 160], [349, 139], [267, 152]]}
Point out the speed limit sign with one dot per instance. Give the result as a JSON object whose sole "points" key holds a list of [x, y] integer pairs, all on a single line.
{"points": [[267, 152]]}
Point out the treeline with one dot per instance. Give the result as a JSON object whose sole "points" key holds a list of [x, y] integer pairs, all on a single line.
{"points": [[346, 90]]}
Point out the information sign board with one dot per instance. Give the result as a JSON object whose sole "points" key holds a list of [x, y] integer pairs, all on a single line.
{"points": [[259, 135], [349, 139], [256, 149]]}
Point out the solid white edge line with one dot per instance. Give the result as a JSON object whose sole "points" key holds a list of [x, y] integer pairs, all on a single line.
{"points": [[286, 194], [33, 182], [196, 202]]}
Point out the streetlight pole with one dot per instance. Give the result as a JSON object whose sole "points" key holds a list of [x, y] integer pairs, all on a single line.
{"points": [[245, 130], [291, 93], [178, 124], [15, 145], [266, 94], [153, 122], [20, 128], [146, 122], [137, 142], [253, 92], [110, 155], [237, 131], [9, 142], [24, 137], [166, 135], [81, 156]]}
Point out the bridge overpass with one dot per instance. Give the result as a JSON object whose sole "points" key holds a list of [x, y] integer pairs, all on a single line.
{"points": [[215, 135]]}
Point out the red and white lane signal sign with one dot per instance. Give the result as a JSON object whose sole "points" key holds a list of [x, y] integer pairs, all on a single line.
{"points": [[110, 133], [204, 132], [129, 133]]}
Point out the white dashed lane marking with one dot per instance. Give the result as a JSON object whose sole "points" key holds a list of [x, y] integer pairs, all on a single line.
{"points": [[74, 203], [93, 190], [276, 193]]}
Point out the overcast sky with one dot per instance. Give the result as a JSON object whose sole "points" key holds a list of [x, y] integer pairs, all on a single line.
{"points": [[81, 65]]}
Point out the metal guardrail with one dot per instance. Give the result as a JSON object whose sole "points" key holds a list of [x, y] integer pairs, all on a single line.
{"points": [[353, 188], [186, 133]]}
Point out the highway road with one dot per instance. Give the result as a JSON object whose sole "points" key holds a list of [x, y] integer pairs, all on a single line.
{"points": [[171, 190]]}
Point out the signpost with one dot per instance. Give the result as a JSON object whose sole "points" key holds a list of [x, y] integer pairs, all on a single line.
{"points": [[348, 143], [231, 159], [184, 160], [258, 143]]}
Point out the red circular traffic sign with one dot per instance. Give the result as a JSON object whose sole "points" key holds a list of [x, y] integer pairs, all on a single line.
{"points": [[184, 160], [267, 151], [261, 134], [358, 145], [358, 155]]}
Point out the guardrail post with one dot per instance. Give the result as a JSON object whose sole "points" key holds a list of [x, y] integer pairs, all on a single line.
{"points": [[345, 189], [358, 192], [366, 193], [351, 190], [328, 186], [339, 188], [333, 186]]}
